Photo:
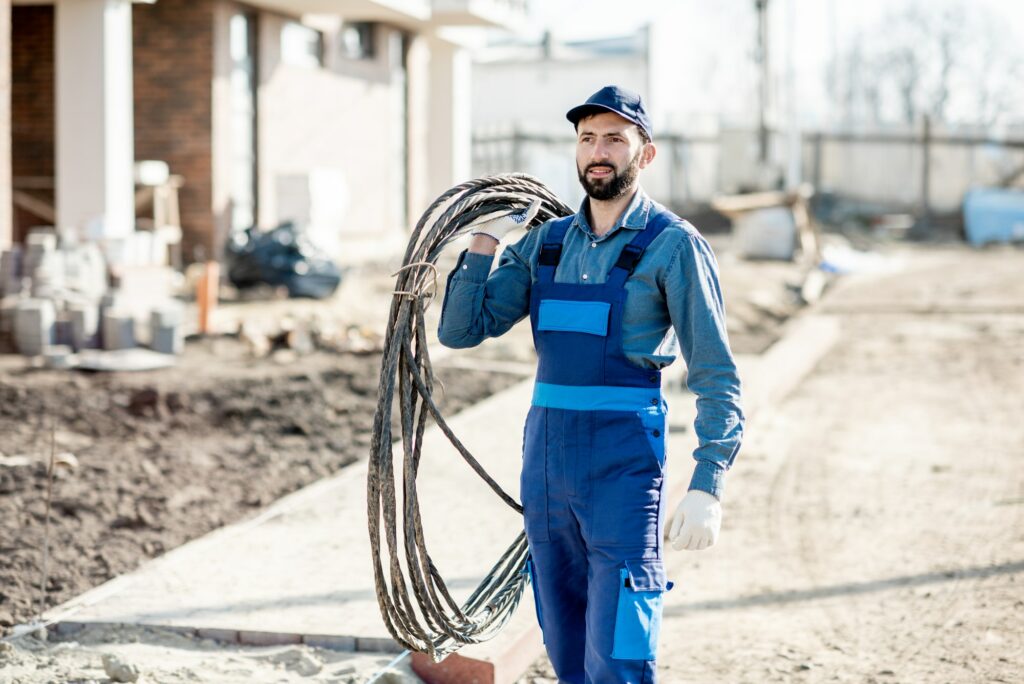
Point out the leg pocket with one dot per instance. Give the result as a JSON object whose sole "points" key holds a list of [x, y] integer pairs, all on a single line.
{"points": [[638, 615]]}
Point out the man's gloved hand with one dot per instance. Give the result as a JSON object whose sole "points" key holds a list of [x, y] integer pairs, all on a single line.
{"points": [[697, 521], [497, 224]]}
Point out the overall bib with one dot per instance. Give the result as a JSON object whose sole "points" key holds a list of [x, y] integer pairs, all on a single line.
{"points": [[593, 475]]}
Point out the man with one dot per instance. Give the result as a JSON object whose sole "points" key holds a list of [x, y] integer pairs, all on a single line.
{"points": [[605, 289]]}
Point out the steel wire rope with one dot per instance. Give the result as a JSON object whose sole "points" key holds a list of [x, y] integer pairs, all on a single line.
{"points": [[430, 620]]}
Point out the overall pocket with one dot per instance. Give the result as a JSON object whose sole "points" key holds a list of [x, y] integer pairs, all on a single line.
{"points": [[625, 481], [638, 615], [655, 425]]}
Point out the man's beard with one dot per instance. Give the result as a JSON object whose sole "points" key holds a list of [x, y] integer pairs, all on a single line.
{"points": [[613, 186]]}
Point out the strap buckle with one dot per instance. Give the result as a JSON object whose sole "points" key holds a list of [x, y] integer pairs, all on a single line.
{"points": [[629, 257], [550, 254]]}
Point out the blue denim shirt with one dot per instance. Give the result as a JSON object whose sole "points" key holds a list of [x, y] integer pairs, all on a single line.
{"points": [[673, 302]]}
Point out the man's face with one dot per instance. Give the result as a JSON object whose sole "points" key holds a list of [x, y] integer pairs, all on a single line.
{"points": [[609, 155]]}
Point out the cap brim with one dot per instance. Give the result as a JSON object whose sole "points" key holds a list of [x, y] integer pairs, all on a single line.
{"points": [[576, 113]]}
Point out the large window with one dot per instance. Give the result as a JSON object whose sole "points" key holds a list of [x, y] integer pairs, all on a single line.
{"points": [[301, 45], [356, 39]]}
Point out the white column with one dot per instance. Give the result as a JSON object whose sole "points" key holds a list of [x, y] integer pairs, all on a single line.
{"points": [[94, 118], [451, 135]]}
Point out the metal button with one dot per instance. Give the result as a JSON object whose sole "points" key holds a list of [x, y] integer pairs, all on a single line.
{"points": [[593, 244], [654, 402], [584, 276], [465, 267], [657, 433]]}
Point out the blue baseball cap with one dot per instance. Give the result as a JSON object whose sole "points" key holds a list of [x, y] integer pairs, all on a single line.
{"points": [[625, 103]]}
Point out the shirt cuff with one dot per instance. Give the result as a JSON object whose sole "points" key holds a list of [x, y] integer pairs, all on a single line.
{"points": [[708, 477], [472, 267]]}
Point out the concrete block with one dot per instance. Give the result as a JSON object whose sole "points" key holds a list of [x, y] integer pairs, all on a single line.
{"points": [[34, 325], [58, 356], [66, 628], [85, 325], [334, 643], [118, 330], [378, 645], [167, 314], [174, 629], [167, 340], [41, 239], [268, 638], [229, 636], [10, 271]]}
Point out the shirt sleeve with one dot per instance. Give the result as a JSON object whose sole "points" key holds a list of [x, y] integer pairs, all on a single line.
{"points": [[694, 298], [479, 304]]}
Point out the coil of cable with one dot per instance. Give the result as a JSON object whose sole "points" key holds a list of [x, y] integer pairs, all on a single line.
{"points": [[428, 619]]}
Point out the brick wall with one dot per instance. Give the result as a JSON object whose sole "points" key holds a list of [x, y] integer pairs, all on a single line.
{"points": [[173, 66], [32, 103]]}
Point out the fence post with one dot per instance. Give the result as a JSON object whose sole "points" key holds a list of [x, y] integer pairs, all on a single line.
{"points": [[922, 228], [517, 149], [816, 177]]}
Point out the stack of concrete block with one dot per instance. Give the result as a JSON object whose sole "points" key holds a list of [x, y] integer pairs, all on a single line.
{"points": [[165, 329], [55, 300], [34, 325]]}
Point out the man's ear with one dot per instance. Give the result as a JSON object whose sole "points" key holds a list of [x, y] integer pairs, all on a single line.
{"points": [[647, 153]]}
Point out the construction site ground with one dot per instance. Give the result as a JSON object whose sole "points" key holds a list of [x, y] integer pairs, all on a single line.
{"points": [[872, 525]]}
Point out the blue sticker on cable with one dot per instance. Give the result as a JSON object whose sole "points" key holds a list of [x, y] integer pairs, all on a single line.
{"points": [[562, 315]]}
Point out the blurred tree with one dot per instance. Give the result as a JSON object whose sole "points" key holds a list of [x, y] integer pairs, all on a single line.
{"points": [[930, 57]]}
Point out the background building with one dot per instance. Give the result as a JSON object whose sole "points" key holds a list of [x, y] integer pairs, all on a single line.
{"points": [[324, 112]]}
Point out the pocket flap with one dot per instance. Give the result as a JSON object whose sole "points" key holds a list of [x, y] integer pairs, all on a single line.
{"points": [[566, 315], [646, 575]]}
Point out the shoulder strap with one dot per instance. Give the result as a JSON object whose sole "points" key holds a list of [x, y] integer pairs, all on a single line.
{"points": [[551, 249], [631, 253]]}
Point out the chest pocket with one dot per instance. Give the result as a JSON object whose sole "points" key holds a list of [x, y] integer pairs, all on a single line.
{"points": [[563, 315]]}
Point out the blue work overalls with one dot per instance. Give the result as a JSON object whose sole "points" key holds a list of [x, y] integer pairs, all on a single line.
{"points": [[593, 475]]}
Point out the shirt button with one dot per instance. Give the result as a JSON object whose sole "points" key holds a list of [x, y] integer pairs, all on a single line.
{"points": [[657, 433], [654, 402], [465, 267], [585, 276], [593, 244]]}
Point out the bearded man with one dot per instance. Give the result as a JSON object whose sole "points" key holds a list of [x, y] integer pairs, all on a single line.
{"points": [[612, 292]]}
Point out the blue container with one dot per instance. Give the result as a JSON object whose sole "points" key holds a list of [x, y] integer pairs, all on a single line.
{"points": [[994, 215]]}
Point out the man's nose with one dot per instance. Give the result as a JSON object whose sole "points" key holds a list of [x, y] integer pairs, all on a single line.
{"points": [[601, 151]]}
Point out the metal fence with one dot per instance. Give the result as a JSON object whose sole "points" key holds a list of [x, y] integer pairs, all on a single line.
{"points": [[920, 171]]}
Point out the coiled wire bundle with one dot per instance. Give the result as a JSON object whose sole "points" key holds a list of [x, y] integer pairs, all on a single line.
{"points": [[430, 620]]}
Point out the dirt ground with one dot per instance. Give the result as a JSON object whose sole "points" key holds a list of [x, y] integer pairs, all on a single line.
{"points": [[166, 456], [874, 521]]}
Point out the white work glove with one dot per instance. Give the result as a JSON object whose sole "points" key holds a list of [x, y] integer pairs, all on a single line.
{"points": [[697, 521], [497, 224]]}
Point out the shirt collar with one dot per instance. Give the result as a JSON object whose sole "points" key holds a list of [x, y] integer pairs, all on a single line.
{"points": [[634, 216]]}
